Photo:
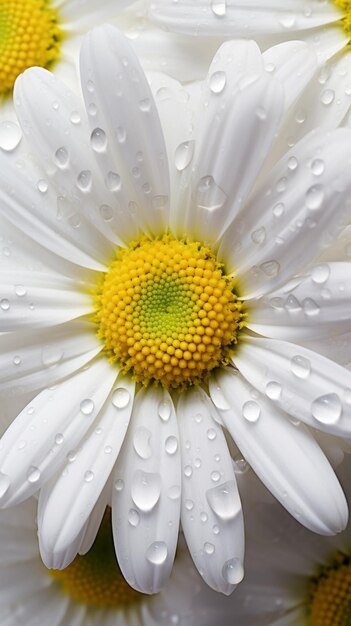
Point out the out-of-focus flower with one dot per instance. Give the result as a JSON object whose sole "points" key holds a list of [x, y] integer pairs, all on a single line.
{"points": [[183, 285]]}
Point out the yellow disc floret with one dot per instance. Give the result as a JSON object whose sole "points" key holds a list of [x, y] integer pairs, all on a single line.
{"points": [[330, 603], [95, 579], [167, 312], [345, 6], [29, 35]]}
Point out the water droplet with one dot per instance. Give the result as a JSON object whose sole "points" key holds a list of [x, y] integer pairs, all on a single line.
{"points": [[17, 360], [33, 474], [59, 439], [278, 209], [4, 483], [174, 492], [209, 195], [211, 434], [321, 273], [219, 7], [108, 449], [145, 490], [189, 505], [259, 236], [310, 307], [203, 517], [224, 500], [218, 81], [327, 409], [119, 484], [22, 444], [327, 96], [92, 109], [145, 105], [89, 476], [188, 470], [300, 366], [75, 117], [197, 463], [184, 154], [270, 268], [164, 410], [106, 212], [141, 442], [233, 571], [273, 390], [209, 548], [315, 197], [84, 180], [90, 86], [113, 181], [121, 134], [317, 167], [218, 398], [292, 163], [4, 304], [292, 303], [120, 398], [133, 517], [215, 476], [42, 185], [51, 356], [10, 136], [61, 157], [157, 553], [87, 406], [251, 411], [171, 445], [98, 140]]}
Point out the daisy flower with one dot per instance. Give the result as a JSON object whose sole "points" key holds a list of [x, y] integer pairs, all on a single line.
{"points": [[175, 293], [44, 33], [91, 591], [308, 580]]}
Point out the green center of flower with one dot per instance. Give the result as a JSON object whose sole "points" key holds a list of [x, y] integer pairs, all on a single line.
{"points": [[29, 35], [95, 579], [330, 603], [167, 312], [345, 6]]}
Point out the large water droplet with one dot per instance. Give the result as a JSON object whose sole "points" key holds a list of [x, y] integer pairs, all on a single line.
{"points": [[145, 490], [98, 140], [209, 195], [300, 366], [327, 409], [224, 500], [218, 81], [184, 154], [251, 411], [120, 398], [10, 136], [171, 445], [141, 442], [157, 553], [321, 273], [87, 406], [233, 571], [219, 7]]}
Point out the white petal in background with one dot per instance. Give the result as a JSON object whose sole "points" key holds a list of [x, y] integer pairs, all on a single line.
{"points": [[81, 482], [284, 455], [128, 141], [146, 494], [303, 383], [212, 518], [311, 306], [49, 428]]}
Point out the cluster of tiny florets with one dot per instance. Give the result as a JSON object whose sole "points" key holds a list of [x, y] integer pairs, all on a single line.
{"points": [[330, 594]]}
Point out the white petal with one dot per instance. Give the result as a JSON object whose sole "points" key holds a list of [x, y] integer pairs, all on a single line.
{"points": [[37, 300], [303, 383], [311, 306], [285, 456], [84, 15], [146, 495], [60, 560], [212, 518], [37, 442], [293, 215], [79, 486], [235, 18], [95, 518], [239, 109], [30, 360], [293, 63], [135, 152]]}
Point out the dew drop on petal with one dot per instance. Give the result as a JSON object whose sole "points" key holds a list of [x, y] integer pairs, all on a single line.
{"points": [[113, 181], [224, 500], [219, 7], [209, 548], [33, 474], [211, 434], [120, 398], [251, 411], [10, 136], [300, 366], [84, 180], [141, 442], [145, 489], [133, 517], [310, 307], [270, 268], [164, 410], [157, 553], [98, 140], [218, 81], [59, 438], [233, 571], [171, 445], [273, 390], [119, 484], [321, 273], [317, 167], [87, 406], [42, 185], [327, 409], [315, 197], [75, 117], [174, 492], [61, 157], [184, 154], [4, 304], [89, 476]]}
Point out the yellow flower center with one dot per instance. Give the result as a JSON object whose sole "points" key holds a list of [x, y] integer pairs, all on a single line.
{"points": [[331, 594], [29, 35], [95, 579], [167, 312], [345, 6]]}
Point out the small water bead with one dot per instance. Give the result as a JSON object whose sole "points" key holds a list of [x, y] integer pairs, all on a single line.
{"points": [[157, 553], [209, 548], [328, 96], [224, 500], [317, 167], [310, 307], [106, 212], [189, 505], [292, 304], [233, 571], [108, 449], [133, 518], [211, 434], [51, 356], [270, 268], [84, 180], [4, 304], [98, 140], [59, 438], [61, 157], [218, 81], [203, 517], [174, 492], [89, 476], [22, 444], [10, 136], [92, 109], [300, 366], [75, 117], [278, 209], [71, 456], [251, 411], [113, 181], [119, 484], [184, 154], [259, 236], [141, 442], [327, 409], [219, 7], [17, 360], [164, 410], [120, 398], [87, 406], [90, 86], [321, 273], [273, 390], [215, 476], [33, 474], [315, 197], [145, 105], [171, 445], [42, 185], [292, 163], [188, 470], [197, 463], [145, 490]]}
